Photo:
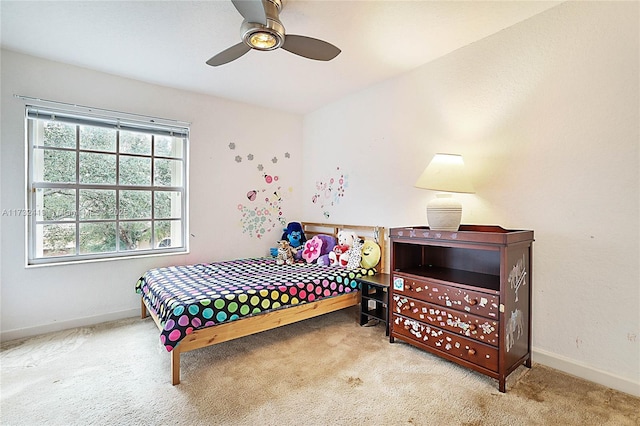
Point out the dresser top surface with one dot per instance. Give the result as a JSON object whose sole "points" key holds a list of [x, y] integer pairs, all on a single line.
{"points": [[466, 233]]}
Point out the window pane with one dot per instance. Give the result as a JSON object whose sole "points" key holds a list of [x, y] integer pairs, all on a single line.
{"points": [[60, 135], [135, 171], [168, 204], [135, 235], [55, 166], [167, 146], [102, 192], [56, 240], [168, 172], [97, 168], [97, 204], [97, 237], [168, 233], [97, 138], [56, 204], [135, 205], [135, 143]]}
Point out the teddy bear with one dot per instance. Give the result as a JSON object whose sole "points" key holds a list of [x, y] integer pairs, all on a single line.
{"points": [[340, 256], [285, 253]]}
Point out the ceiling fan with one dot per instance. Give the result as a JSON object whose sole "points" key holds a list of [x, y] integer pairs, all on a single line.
{"points": [[262, 30]]}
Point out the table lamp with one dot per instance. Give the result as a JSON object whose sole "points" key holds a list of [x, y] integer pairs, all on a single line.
{"points": [[445, 174]]}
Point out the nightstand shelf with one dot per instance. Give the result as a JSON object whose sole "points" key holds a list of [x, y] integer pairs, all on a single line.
{"points": [[374, 290]]}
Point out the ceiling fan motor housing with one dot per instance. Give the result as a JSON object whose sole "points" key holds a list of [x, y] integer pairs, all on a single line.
{"points": [[272, 33]]}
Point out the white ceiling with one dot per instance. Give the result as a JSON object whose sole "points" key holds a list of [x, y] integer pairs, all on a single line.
{"points": [[168, 42]]}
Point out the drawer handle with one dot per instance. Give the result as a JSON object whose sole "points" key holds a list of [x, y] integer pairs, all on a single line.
{"points": [[473, 302], [472, 351], [472, 327]]}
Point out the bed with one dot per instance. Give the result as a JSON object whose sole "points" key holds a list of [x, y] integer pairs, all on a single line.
{"points": [[200, 305]]}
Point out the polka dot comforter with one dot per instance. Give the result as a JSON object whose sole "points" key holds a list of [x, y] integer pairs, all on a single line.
{"points": [[187, 298]]}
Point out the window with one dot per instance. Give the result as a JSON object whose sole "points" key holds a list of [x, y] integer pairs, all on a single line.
{"points": [[101, 186]]}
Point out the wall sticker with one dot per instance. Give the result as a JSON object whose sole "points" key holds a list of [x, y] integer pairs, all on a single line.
{"points": [[262, 211], [330, 191]]}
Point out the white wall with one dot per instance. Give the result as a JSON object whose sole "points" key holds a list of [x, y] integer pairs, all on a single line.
{"points": [[35, 300], [546, 115]]}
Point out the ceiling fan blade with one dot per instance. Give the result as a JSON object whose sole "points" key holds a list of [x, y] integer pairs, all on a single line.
{"points": [[309, 47], [251, 10], [228, 55]]}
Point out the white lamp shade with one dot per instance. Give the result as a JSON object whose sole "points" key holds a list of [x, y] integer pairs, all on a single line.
{"points": [[445, 173]]}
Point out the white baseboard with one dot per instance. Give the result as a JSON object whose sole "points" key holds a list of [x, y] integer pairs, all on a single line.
{"points": [[585, 371], [65, 325]]}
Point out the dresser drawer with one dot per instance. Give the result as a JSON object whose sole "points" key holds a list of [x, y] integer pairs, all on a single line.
{"points": [[478, 328], [444, 341], [483, 304]]}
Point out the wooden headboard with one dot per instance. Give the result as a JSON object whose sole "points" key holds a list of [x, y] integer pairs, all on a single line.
{"points": [[375, 233]]}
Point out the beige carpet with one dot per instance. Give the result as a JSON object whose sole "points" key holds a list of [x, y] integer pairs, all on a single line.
{"points": [[323, 371]]}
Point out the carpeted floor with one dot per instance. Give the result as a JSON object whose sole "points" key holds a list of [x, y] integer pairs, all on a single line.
{"points": [[323, 371]]}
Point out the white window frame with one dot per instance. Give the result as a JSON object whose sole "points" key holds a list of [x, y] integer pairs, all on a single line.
{"points": [[86, 116]]}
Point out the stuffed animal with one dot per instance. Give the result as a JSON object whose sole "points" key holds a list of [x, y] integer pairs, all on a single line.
{"points": [[355, 254], [338, 256], [346, 238], [295, 235], [312, 249], [370, 254], [285, 253], [328, 243]]}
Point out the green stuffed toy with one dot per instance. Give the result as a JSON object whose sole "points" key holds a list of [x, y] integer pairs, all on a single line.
{"points": [[370, 254]]}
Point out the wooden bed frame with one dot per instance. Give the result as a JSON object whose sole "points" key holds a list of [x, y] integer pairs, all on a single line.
{"points": [[251, 325]]}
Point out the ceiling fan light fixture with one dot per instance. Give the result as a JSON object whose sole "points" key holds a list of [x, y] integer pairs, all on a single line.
{"points": [[261, 29], [262, 40], [261, 37]]}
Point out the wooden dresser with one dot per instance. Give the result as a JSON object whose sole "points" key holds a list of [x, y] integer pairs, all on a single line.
{"points": [[464, 296]]}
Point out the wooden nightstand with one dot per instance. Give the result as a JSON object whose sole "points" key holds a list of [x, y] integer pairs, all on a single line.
{"points": [[374, 290]]}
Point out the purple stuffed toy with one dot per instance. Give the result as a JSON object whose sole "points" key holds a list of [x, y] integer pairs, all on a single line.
{"points": [[328, 243]]}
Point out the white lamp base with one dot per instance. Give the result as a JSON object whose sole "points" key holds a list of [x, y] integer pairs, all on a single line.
{"points": [[444, 213]]}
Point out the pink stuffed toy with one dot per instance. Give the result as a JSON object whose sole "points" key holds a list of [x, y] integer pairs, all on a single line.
{"points": [[312, 249]]}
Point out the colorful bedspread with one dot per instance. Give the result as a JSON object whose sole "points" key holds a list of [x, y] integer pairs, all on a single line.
{"points": [[186, 298]]}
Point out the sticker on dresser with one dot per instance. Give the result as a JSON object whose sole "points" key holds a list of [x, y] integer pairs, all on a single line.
{"points": [[475, 327], [517, 276], [398, 284], [513, 327]]}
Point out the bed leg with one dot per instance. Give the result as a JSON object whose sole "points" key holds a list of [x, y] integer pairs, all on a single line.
{"points": [[175, 366], [143, 309]]}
